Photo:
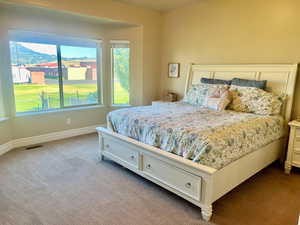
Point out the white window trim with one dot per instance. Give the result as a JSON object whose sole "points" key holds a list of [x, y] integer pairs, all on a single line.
{"points": [[53, 39], [70, 109], [2, 109], [119, 42], [3, 119]]}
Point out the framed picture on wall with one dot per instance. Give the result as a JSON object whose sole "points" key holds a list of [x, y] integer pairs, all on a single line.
{"points": [[173, 70]]}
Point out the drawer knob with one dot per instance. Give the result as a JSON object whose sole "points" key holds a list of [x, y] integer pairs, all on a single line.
{"points": [[107, 145], [188, 185], [148, 166], [132, 157]]}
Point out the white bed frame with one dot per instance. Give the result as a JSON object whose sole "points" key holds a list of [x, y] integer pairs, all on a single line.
{"points": [[199, 184]]}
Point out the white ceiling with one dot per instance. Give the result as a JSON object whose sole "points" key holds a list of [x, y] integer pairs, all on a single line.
{"points": [[161, 5]]}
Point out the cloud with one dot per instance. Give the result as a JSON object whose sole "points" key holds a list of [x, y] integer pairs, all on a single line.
{"points": [[41, 48]]}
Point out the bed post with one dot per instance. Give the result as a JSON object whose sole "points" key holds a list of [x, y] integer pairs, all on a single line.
{"points": [[206, 209], [206, 212], [101, 146], [188, 77]]}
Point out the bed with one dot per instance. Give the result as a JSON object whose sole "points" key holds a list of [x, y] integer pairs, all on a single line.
{"points": [[159, 143]]}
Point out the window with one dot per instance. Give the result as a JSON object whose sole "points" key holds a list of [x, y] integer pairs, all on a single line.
{"points": [[51, 72], [120, 61], [35, 76], [79, 76], [2, 111]]}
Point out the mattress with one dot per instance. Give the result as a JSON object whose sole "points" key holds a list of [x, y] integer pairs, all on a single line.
{"points": [[208, 137]]}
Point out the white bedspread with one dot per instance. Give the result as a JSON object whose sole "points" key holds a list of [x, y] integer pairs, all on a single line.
{"points": [[207, 137]]}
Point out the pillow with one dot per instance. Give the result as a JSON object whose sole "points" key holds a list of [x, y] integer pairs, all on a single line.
{"points": [[215, 81], [262, 84], [198, 93], [219, 100], [255, 100]]}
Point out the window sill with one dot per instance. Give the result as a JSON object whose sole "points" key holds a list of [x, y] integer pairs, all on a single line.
{"points": [[121, 106], [78, 108], [3, 119]]}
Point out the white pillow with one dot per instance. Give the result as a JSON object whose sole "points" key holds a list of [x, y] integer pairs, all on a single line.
{"points": [[208, 95], [219, 100], [255, 100]]}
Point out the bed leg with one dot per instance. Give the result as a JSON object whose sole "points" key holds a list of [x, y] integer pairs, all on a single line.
{"points": [[101, 147], [206, 212], [287, 168], [100, 157]]}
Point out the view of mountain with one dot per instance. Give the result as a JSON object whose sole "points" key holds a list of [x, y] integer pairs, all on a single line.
{"points": [[23, 55]]}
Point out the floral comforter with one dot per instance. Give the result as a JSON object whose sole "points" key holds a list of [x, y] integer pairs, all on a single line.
{"points": [[211, 138]]}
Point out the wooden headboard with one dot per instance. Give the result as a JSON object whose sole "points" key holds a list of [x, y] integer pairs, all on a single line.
{"points": [[281, 78]]}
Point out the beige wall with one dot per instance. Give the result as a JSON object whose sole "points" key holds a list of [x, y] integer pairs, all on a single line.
{"points": [[231, 31], [5, 131], [36, 19]]}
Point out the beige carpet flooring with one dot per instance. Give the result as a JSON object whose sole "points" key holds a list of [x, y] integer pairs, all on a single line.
{"points": [[63, 184]]}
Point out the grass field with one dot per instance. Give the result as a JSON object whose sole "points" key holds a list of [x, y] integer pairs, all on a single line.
{"points": [[28, 97]]}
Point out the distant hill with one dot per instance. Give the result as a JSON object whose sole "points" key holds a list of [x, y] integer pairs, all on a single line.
{"points": [[23, 55]]}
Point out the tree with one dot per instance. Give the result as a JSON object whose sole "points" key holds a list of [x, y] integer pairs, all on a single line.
{"points": [[121, 66]]}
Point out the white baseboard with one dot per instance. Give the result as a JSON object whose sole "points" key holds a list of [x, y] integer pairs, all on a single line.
{"points": [[22, 142], [6, 147]]}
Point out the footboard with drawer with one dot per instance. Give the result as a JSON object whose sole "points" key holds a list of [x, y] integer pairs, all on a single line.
{"points": [[194, 182]]}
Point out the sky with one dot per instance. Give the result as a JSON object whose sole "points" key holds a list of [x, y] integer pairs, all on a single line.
{"points": [[66, 51], [77, 52]]}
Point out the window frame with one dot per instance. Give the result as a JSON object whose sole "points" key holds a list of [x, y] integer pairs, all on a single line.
{"points": [[2, 109], [62, 107], [111, 46]]}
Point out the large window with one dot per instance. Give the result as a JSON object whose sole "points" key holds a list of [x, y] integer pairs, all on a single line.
{"points": [[120, 60], [51, 72]]}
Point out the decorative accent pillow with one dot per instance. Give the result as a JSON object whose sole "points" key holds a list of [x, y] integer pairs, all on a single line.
{"points": [[215, 81], [262, 84], [219, 100], [255, 100], [198, 93]]}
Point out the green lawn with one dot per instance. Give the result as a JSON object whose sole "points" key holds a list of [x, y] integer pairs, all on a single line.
{"points": [[121, 96], [29, 96]]}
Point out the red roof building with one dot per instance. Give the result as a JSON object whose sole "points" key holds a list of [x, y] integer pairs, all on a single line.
{"points": [[49, 64]]}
